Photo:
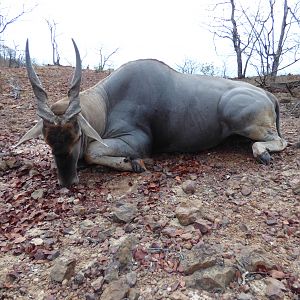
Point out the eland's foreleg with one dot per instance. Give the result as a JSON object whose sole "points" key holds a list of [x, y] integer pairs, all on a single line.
{"points": [[123, 155]]}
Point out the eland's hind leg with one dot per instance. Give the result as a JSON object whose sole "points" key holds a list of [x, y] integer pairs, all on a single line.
{"points": [[253, 114]]}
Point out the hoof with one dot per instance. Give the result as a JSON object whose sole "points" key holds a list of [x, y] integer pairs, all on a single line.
{"points": [[138, 165], [264, 158]]}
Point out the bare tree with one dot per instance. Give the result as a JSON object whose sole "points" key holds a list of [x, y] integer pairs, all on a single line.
{"points": [[6, 20], [104, 59], [277, 42], [229, 23], [53, 35], [257, 37], [191, 66]]}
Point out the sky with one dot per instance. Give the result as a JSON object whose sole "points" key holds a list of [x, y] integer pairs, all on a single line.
{"points": [[168, 30]]}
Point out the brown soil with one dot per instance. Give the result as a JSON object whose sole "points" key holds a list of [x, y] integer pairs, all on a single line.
{"points": [[267, 215]]}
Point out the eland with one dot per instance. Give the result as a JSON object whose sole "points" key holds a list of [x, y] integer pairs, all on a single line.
{"points": [[146, 107]]}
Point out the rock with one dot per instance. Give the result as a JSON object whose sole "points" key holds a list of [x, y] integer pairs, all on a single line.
{"points": [[187, 213], [214, 278], [37, 194], [230, 193], [97, 284], [91, 296], [296, 189], [86, 224], [274, 289], [199, 258], [79, 278], [51, 216], [37, 241], [271, 222], [133, 294], [34, 232], [111, 273], [296, 287], [3, 165], [277, 274], [53, 254], [257, 289], [169, 231], [246, 191], [116, 290], [64, 268], [124, 252], [131, 278], [177, 295], [253, 259], [79, 210], [11, 163], [125, 212], [189, 186], [203, 225], [244, 296]]}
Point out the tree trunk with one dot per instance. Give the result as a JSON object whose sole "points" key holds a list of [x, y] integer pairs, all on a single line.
{"points": [[236, 42], [277, 55]]}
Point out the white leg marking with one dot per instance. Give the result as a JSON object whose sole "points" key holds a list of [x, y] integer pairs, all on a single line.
{"points": [[259, 148]]}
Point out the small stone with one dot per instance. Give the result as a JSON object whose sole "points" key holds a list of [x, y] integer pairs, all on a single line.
{"points": [[87, 224], [79, 278], [34, 232], [38, 194], [133, 294], [51, 216], [37, 241], [274, 289], [79, 210], [271, 222], [243, 227], [277, 274], [90, 296], [131, 278], [3, 165], [97, 284], [216, 277], [244, 296], [125, 213], [253, 259], [187, 236], [11, 163], [246, 191], [189, 186], [54, 254], [296, 287], [64, 268], [203, 225], [199, 258], [111, 273], [229, 193], [125, 249], [296, 189], [39, 254], [116, 290], [177, 295], [187, 213]]}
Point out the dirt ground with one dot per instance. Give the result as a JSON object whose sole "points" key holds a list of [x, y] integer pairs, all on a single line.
{"points": [[244, 205]]}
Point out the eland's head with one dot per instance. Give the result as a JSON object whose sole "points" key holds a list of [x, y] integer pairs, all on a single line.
{"points": [[64, 132]]}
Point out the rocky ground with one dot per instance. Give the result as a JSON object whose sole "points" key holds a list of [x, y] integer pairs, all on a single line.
{"points": [[213, 225]]}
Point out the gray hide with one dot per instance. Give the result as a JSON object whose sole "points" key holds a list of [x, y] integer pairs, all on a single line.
{"points": [[152, 108], [146, 107]]}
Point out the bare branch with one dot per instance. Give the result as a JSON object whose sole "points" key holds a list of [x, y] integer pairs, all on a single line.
{"points": [[5, 21]]}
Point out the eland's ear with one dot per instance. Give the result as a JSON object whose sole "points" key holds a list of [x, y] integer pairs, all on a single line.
{"points": [[88, 130], [34, 132]]}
